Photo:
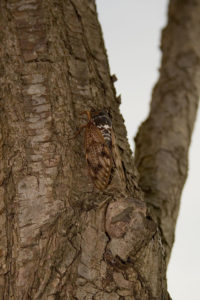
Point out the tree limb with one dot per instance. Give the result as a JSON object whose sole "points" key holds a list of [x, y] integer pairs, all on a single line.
{"points": [[163, 140]]}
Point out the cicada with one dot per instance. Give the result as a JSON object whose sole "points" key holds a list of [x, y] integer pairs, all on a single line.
{"points": [[98, 147]]}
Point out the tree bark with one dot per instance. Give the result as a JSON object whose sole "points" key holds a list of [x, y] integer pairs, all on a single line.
{"points": [[163, 140], [60, 237]]}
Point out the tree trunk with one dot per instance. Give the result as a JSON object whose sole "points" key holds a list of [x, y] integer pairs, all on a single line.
{"points": [[61, 238]]}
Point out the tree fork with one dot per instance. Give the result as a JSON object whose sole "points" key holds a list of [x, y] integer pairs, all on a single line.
{"points": [[61, 238]]}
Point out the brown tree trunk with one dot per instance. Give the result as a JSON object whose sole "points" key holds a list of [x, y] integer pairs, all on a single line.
{"points": [[60, 237]]}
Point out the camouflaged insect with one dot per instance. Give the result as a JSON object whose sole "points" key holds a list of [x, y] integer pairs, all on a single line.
{"points": [[98, 147]]}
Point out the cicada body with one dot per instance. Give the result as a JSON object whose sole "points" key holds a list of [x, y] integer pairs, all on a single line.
{"points": [[98, 148]]}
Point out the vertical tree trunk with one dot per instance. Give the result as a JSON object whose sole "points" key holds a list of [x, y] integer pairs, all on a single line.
{"points": [[60, 237]]}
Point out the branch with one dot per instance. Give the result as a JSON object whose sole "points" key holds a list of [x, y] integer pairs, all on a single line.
{"points": [[163, 140]]}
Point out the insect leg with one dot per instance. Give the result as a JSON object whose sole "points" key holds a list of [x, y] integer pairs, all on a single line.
{"points": [[77, 132], [86, 112]]}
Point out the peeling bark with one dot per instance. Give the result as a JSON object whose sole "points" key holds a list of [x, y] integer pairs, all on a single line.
{"points": [[61, 238]]}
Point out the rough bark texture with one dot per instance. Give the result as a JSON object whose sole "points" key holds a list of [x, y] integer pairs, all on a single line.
{"points": [[163, 140], [60, 237]]}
